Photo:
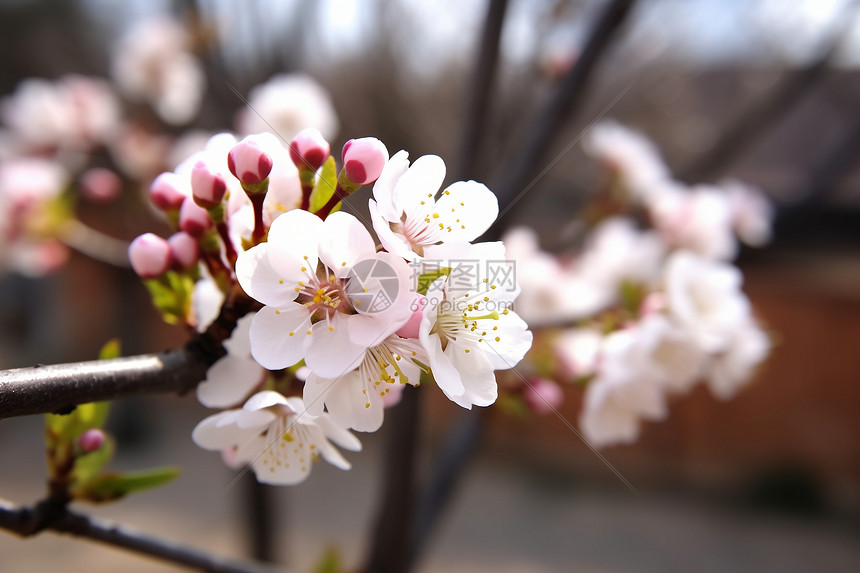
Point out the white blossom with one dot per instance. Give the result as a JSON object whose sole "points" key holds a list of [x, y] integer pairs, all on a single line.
{"points": [[752, 212], [73, 112], [705, 298], [469, 330], [287, 104], [632, 156], [277, 437], [698, 219], [734, 367], [153, 63], [357, 399], [620, 395], [235, 375], [407, 217], [317, 307]]}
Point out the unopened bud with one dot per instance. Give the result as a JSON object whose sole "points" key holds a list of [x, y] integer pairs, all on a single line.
{"points": [[543, 395], [363, 159], [100, 185], [184, 249], [249, 162], [207, 186], [165, 192], [194, 219], [150, 256], [309, 149], [91, 440]]}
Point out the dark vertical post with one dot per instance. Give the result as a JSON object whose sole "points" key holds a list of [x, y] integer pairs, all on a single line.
{"points": [[260, 518], [389, 552], [567, 97]]}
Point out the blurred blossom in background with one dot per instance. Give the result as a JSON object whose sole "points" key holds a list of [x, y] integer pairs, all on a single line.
{"points": [[700, 295]]}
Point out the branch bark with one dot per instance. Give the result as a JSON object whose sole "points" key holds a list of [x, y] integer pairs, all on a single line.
{"points": [[59, 388], [758, 117], [27, 521], [566, 99]]}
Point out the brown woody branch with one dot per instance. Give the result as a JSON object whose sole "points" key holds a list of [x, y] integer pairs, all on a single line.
{"points": [[54, 516], [59, 388]]}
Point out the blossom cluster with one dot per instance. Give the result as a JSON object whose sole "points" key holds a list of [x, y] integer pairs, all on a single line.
{"points": [[346, 320], [651, 305], [88, 138]]}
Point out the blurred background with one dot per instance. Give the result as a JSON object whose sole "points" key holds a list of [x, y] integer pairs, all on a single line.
{"points": [[767, 482]]}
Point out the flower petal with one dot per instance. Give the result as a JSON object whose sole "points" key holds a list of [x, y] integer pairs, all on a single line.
{"points": [[345, 242], [421, 182], [278, 336], [329, 351], [229, 381], [466, 209], [393, 242], [383, 189], [259, 279], [293, 244]]}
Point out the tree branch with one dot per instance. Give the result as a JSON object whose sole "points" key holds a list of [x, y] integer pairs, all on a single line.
{"points": [[389, 552], [564, 101], [459, 451], [755, 120], [26, 521], [478, 95], [60, 387]]}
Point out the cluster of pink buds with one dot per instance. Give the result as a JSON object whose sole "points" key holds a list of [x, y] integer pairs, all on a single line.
{"points": [[222, 200]]}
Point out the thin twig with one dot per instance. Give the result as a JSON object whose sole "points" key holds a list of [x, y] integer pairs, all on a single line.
{"points": [[459, 451], [477, 102], [58, 388], [389, 552], [561, 105], [27, 521], [756, 119]]}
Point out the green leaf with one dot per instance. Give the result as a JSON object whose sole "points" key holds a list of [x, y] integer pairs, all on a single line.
{"points": [[67, 427], [325, 186], [171, 295], [330, 562], [87, 466], [513, 406], [111, 349], [426, 279], [111, 486]]}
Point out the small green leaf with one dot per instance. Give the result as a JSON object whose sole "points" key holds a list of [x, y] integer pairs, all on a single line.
{"points": [[426, 279], [513, 406], [171, 295], [111, 486], [111, 349], [67, 427], [325, 186], [330, 562], [87, 466]]}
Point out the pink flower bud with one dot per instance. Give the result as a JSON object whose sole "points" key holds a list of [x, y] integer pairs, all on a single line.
{"points": [[363, 159], [165, 192], [91, 440], [100, 185], [410, 329], [184, 249], [309, 149], [652, 304], [207, 186], [194, 219], [543, 395], [248, 162], [150, 256]]}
